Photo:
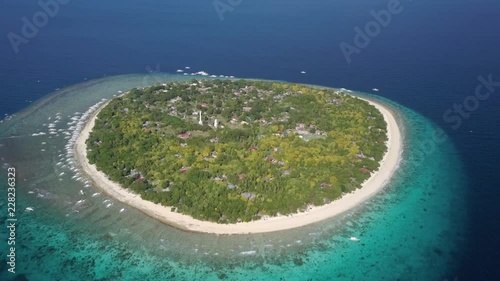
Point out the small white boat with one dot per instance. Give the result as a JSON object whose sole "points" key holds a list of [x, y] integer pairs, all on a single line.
{"points": [[202, 73], [30, 209], [96, 194], [303, 72], [81, 192], [179, 70], [354, 239], [375, 89], [122, 210]]}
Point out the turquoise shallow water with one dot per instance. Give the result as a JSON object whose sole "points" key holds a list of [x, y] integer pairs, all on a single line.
{"points": [[412, 230]]}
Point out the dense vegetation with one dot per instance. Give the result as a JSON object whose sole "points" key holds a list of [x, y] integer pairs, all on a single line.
{"points": [[276, 147]]}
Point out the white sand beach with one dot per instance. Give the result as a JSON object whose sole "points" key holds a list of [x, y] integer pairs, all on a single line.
{"points": [[375, 183]]}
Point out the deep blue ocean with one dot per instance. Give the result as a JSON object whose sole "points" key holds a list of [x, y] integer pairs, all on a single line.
{"points": [[429, 58]]}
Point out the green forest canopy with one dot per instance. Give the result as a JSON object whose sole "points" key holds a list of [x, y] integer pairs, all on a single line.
{"points": [[261, 149]]}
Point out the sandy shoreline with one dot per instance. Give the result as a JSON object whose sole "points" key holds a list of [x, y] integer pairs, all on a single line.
{"points": [[375, 183]]}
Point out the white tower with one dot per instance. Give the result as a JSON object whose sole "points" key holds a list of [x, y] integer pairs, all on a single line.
{"points": [[216, 124], [200, 122]]}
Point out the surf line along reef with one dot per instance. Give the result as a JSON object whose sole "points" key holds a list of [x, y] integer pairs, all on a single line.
{"points": [[239, 156]]}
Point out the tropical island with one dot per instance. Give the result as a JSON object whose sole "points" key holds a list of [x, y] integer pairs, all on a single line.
{"points": [[238, 152]]}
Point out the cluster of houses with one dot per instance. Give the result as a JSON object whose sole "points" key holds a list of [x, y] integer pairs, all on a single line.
{"points": [[251, 93]]}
